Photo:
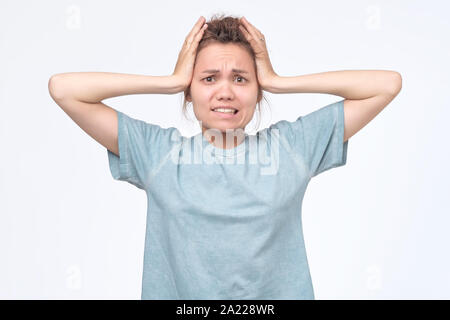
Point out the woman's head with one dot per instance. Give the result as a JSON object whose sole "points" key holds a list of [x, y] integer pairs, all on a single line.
{"points": [[224, 75]]}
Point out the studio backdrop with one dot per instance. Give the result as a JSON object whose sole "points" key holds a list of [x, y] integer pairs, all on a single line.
{"points": [[376, 228]]}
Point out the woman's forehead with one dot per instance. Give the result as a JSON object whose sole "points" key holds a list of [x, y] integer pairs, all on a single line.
{"points": [[216, 57]]}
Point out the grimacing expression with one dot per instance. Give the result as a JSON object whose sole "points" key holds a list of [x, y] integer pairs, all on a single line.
{"points": [[224, 75]]}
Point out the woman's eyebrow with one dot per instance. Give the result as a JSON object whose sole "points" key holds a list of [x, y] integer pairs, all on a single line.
{"points": [[216, 71]]}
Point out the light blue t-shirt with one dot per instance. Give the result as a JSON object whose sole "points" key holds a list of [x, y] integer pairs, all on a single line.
{"points": [[226, 223]]}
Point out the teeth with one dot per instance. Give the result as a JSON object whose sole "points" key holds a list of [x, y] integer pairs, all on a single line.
{"points": [[225, 110]]}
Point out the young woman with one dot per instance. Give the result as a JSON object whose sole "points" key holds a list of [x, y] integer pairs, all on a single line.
{"points": [[224, 207]]}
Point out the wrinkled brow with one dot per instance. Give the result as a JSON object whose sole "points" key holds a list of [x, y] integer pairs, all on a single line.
{"points": [[218, 71]]}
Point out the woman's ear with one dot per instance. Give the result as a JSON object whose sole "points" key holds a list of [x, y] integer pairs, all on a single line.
{"points": [[260, 96], [188, 95]]}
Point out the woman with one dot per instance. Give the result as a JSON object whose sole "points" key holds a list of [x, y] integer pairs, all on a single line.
{"points": [[224, 207]]}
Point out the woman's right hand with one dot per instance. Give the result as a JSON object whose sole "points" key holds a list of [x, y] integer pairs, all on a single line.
{"points": [[184, 68]]}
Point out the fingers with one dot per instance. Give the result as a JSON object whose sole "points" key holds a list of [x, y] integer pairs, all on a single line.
{"points": [[199, 26], [199, 36], [249, 29], [247, 35]]}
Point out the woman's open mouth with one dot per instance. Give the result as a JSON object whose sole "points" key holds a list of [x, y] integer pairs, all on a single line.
{"points": [[226, 113]]}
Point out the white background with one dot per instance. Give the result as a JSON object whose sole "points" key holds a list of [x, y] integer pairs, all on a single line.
{"points": [[376, 228]]}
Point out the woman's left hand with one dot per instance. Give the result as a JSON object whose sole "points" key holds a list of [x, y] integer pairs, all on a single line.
{"points": [[265, 72]]}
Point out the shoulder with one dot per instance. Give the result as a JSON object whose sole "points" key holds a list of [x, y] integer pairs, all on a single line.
{"points": [[148, 130]]}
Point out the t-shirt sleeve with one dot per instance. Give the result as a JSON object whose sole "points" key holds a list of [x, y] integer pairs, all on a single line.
{"points": [[318, 138], [142, 148]]}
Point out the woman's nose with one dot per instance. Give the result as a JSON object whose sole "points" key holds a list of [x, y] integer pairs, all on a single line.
{"points": [[225, 91]]}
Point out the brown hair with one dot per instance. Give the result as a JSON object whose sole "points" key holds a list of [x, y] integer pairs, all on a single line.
{"points": [[225, 29]]}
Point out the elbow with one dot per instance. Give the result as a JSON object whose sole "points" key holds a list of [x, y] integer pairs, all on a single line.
{"points": [[54, 87], [394, 83]]}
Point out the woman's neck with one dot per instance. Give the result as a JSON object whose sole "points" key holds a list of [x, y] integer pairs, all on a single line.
{"points": [[225, 140]]}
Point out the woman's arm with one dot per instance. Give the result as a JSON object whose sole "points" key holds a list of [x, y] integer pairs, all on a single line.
{"points": [[349, 84], [92, 87], [366, 92], [80, 95]]}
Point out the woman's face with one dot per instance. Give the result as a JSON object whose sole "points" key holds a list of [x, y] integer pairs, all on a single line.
{"points": [[215, 83]]}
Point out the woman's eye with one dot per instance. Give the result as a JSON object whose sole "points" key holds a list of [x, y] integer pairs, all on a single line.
{"points": [[235, 77]]}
